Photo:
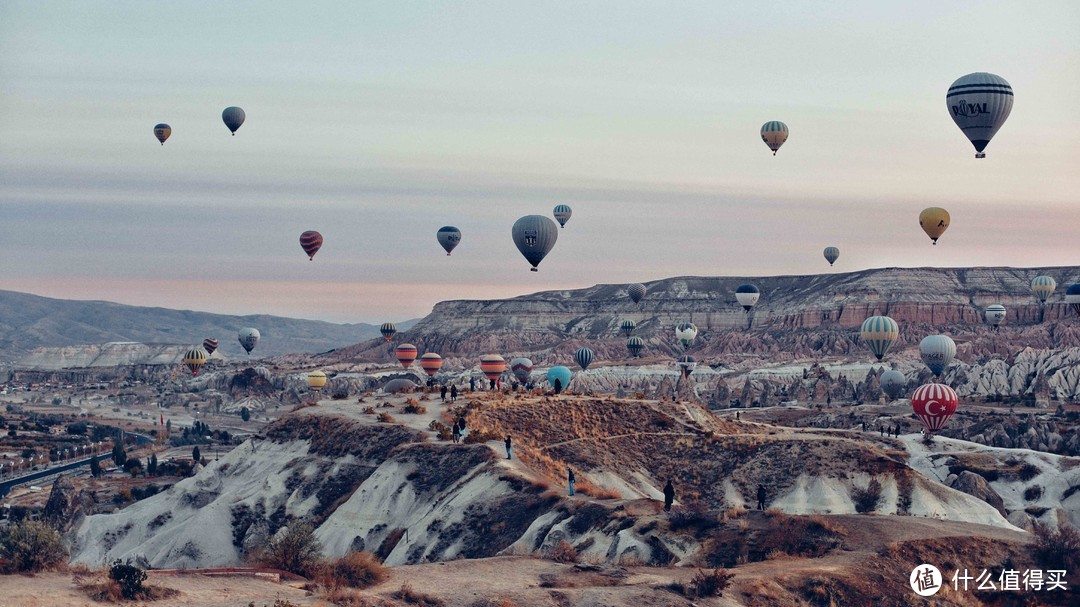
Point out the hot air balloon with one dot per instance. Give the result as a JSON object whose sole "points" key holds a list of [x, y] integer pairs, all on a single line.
{"points": [[583, 357], [233, 118], [162, 132], [431, 363], [937, 351], [388, 330], [934, 221], [934, 404], [686, 332], [879, 333], [448, 237], [994, 313], [311, 241], [747, 295], [1043, 286], [492, 365], [562, 214], [774, 133], [521, 368], [534, 236], [316, 380], [194, 359], [406, 354], [210, 345], [627, 327], [560, 373], [248, 338], [635, 345], [636, 292], [686, 364], [400, 384], [1072, 297], [893, 383], [832, 254], [979, 104]]}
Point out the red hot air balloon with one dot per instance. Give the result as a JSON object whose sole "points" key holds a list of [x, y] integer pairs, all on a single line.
{"points": [[310, 241], [406, 354], [934, 404], [431, 363]]}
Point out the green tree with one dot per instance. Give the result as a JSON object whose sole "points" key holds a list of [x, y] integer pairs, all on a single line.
{"points": [[151, 466], [133, 466], [245, 414], [95, 467], [119, 455], [196, 455], [30, 546]]}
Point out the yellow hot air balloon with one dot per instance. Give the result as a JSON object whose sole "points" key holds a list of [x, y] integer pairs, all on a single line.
{"points": [[316, 380], [934, 221], [194, 359]]}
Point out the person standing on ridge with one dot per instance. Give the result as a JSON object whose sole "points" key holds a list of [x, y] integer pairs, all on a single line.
{"points": [[442, 392], [472, 384], [508, 446], [453, 393], [456, 433], [570, 479], [558, 385], [669, 496], [761, 497]]}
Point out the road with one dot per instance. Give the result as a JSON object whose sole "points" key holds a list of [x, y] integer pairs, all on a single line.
{"points": [[7, 484]]}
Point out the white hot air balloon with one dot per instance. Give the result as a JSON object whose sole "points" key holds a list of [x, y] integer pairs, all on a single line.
{"points": [[995, 313], [979, 104], [937, 351]]}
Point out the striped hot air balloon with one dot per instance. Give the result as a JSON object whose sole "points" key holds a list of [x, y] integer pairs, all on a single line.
{"points": [[583, 357], [627, 327], [774, 133], [934, 404], [316, 380], [687, 364], [210, 345], [388, 330], [1043, 286], [635, 345], [686, 333], [562, 214], [521, 368], [194, 359], [879, 333], [937, 352], [636, 292], [994, 313], [431, 363], [1072, 297], [831, 254], [405, 354], [492, 365], [311, 241], [979, 104]]}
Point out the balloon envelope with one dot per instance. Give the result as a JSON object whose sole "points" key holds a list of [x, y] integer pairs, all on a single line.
{"points": [[687, 364], [774, 133], [636, 292], [210, 345], [635, 345], [1043, 286], [534, 236], [399, 385], [388, 330], [994, 313], [879, 333], [448, 237], [934, 221], [194, 359], [686, 332], [162, 132], [831, 254], [1072, 297], [561, 373], [562, 214], [893, 383], [431, 363], [937, 352], [979, 104], [934, 404], [311, 241], [316, 380], [583, 357], [627, 327], [747, 296], [233, 117], [492, 365], [248, 338], [521, 368], [405, 354]]}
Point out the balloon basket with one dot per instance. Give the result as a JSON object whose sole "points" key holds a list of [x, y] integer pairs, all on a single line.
{"points": [[533, 270], [980, 155]]}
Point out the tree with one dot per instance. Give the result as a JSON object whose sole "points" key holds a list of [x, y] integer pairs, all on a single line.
{"points": [[119, 455], [294, 550], [30, 546], [151, 466], [133, 466], [168, 426], [196, 455], [95, 467], [245, 414]]}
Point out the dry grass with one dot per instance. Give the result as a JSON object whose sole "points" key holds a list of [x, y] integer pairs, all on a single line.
{"points": [[562, 552], [354, 570], [407, 595], [95, 583]]}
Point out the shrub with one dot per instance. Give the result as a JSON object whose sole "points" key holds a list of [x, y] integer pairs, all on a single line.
{"points": [[369, 410], [1029, 471], [354, 570], [1033, 493], [866, 500], [29, 546], [294, 550], [129, 577], [692, 514], [386, 418], [414, 409], [412, 597], [444, 431], [708, 583], [1057, 548], [563, 552]]}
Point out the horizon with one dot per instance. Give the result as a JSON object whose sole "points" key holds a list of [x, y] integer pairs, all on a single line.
{"points": [[378, 124]]}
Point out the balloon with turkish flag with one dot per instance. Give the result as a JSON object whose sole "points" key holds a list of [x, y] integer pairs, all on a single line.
{"points": [[934, 404]]}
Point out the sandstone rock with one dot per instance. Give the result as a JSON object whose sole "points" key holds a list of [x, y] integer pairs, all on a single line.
{"points": [[976, 486]]}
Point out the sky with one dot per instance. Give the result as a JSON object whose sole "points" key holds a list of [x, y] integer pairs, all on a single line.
{"points": [[376, 123]]}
